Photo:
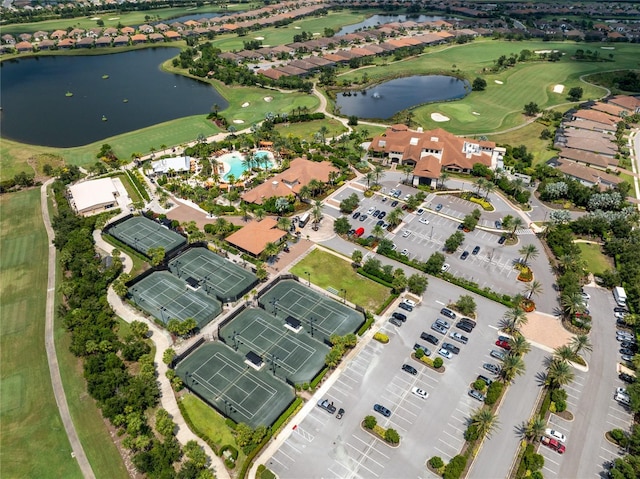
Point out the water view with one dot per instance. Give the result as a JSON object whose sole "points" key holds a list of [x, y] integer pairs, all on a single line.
{"points": [[66, 101], [382, 19], [385, 100]]}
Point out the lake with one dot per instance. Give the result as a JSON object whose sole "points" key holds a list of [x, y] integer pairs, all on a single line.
{"points": [[374, 20], [385, 100], [136, 94]]}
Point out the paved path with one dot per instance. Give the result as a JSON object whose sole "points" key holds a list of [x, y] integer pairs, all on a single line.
{"points": [[162, 341], [52, 358]]}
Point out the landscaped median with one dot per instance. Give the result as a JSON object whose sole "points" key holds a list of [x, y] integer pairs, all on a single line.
{"points": [[389, 436]]}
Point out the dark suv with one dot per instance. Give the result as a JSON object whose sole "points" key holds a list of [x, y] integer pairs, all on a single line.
{"points": [[466, 327], [430, 338], [409, 369], [400, 316], [448, 313]]}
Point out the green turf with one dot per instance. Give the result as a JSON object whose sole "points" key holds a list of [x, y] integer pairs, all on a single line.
{"points": [[528, 136], [128, 18], [307, 130], [596, 261], [34, 442], [328, 270], [210, 424]]}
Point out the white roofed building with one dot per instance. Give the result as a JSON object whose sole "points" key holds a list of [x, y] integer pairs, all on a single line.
{"points": [[177, 164], [95, 196]]}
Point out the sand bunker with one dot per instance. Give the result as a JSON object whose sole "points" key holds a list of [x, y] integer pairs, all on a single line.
{"points": [[499, 82], [95, 18], [297, 28], [439, 117], [114, 18], [608, 48], [475, 113], [316, 34], [558, 89], [245, 104], [238, 122], [259, 38], [540, 52], [268, 98]]}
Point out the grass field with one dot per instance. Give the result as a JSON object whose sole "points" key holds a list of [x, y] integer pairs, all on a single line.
{"points": [[528, 136], [112, 19], [596, 261], [328, 270], [307, 130], [210, 424], [34, 442]]}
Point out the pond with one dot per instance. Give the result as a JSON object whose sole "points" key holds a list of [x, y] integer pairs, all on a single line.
{"points": [[382, 19], [66, 101], [385, 100]]}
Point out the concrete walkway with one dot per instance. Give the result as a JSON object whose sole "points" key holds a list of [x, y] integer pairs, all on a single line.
{"points": [[163, 341], [52, 358]]}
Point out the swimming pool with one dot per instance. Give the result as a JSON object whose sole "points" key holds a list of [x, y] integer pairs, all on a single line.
{"points": [[234, 163]]}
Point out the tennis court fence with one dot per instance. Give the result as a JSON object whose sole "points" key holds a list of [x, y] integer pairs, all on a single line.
{"points": [[188, 350]]}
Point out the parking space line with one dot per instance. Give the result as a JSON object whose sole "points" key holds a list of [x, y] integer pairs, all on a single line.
{"points": [[274, 458], [551, 460], [552, 472], [365, 455], [341, 382], [445, 455]]}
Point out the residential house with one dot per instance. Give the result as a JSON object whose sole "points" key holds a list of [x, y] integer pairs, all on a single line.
{"points": [[171, 35], [630, 103], [146, 29], [138, 38], [587, 158], [86, 42], [104, 41], [24, 47], [588, 176], [46, 44]]}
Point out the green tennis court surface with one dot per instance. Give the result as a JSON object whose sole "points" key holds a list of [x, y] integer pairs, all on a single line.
{"points": [[219, 376], [166, 297], [291, 355], [141, 233], [317, 312], [219, 277]]}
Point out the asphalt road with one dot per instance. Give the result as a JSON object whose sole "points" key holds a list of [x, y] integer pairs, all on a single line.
{"points": [[323, 446]]}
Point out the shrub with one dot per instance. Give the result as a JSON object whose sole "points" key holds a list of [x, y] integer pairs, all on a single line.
{"points": [[471, 433], [455, 467], [619, 437], [536, 475], [560, 405], [419, 353], [392, 436], [479, 385], [370, 422], [466, 305], [436, 462], [493, 393], [383, 338], [428, 361], [533, 461], [437, 363]]}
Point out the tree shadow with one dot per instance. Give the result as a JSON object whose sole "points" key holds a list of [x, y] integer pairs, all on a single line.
{"points": [[541, 378]]}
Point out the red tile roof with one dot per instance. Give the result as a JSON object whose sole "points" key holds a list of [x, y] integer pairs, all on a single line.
{"points": [[253, 237]]}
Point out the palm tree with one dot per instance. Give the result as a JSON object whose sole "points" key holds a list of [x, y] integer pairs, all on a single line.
{"points": [[534, 288], [563, 353], [444, 176], [377, 232], [571, 304], [485, 421], [270, 250], [304, 193], [394, 217], [535, 428], [519, 345], [370, 176], [480, 184], [489, 187], [284, 223], [244, 209], [528, 251], [315, 186], [316, 212], [511, 367], [559, 374], [259, 214], [516, 224], [581, 343], [516, 317], [378, 172], [407, 169]]}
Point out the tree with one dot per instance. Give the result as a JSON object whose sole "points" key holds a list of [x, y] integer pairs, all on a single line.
{"points": [[453, 242], [511, 367], [575, 93], [341, 226], [417, 283], [528, 251], [119, 287], [168, 356], [164, 424], [392, 436], [519, 345], [531, 109], [513, 320], [485, 421], [350, 203], [356, 256], [479, 84], [572, 303], [516, 224], [559, 374], [581, 343], [535, 428], [139, 329], [533, 288], [394, 218], [377, 232], [270, 250], [284, 223], [564, 353], [370, 422], [466, 305], [156, 254], [196, 454], [399, 282], [434, 264], [261, 272]]}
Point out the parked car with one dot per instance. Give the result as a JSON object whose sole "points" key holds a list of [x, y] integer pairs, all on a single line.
{"points": [[438, 206], [327, 406], [451, 347], [445, 353], [555, 434], [498, 224], [406, 307], [502, 239], [379, 223], [471, 322], [497, 354], [362, 217], [585, 296], [394, 204], [355, 215], [495, 369], [445, 267], [476, 395], [464, 255], [627, 352], [627, 357], [627, 378], [476, 250], [466, 327], [553, 444], [382, 214], [624, 335], [443, 323], [382, 410], [484, 379], [448, 313], [409, 369], [632, 345], [503, 344], [425, 350], [371, 210], [460, 227], [430, 338], [439, 329], [376, 213], [395, 321], [404, 252], [618, 309], [420, 212], [402, 317], [459, 337], [340, 413], [424, 221], [410, 302], [623, 399], [406, 233], [421, 393]]}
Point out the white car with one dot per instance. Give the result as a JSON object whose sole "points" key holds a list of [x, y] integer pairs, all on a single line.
{"points": [[406, 233], [623, 398], [424, 221], [555, 434], [419, 212], [459, 337], [410, 302], [445, 267], [585, 296], [404, 252], [420, 392], [371, 210], [445, 353], [622, 391]]}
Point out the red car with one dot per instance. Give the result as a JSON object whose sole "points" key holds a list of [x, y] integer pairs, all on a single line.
{"points": [[553, 444], [503, 344]]}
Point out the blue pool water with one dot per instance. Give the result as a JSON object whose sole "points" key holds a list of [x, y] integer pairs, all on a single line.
{"points": [[235, 161]]}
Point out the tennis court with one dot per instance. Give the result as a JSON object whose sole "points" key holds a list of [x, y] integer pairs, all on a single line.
{"points": [[166, 297], [290, 355], [221, 278], [219, 376], [141, 233], [320, 313]]}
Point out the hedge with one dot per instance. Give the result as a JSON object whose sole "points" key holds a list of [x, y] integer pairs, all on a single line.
{"points": [[318, 378], [494, 392], [374, 278], [138, 184], [546, 403], [297, 403], [251, 456], [392, 297], [125, 248], [381, 337], [455, 468], [365, 327], [504, 299]]}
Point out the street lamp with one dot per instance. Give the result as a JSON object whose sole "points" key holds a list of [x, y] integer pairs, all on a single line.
{"points": [[308, 277], [311, 321], [344, 296]]}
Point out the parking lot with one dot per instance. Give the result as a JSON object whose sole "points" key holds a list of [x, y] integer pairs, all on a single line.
{"points": [[428, 427]]}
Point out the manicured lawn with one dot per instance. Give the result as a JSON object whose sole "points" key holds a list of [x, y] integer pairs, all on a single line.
{"points": [[328, 270], [34, 442], [126, 182], [596, 261], [528, 136], [211, 424], [307, 130]]}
